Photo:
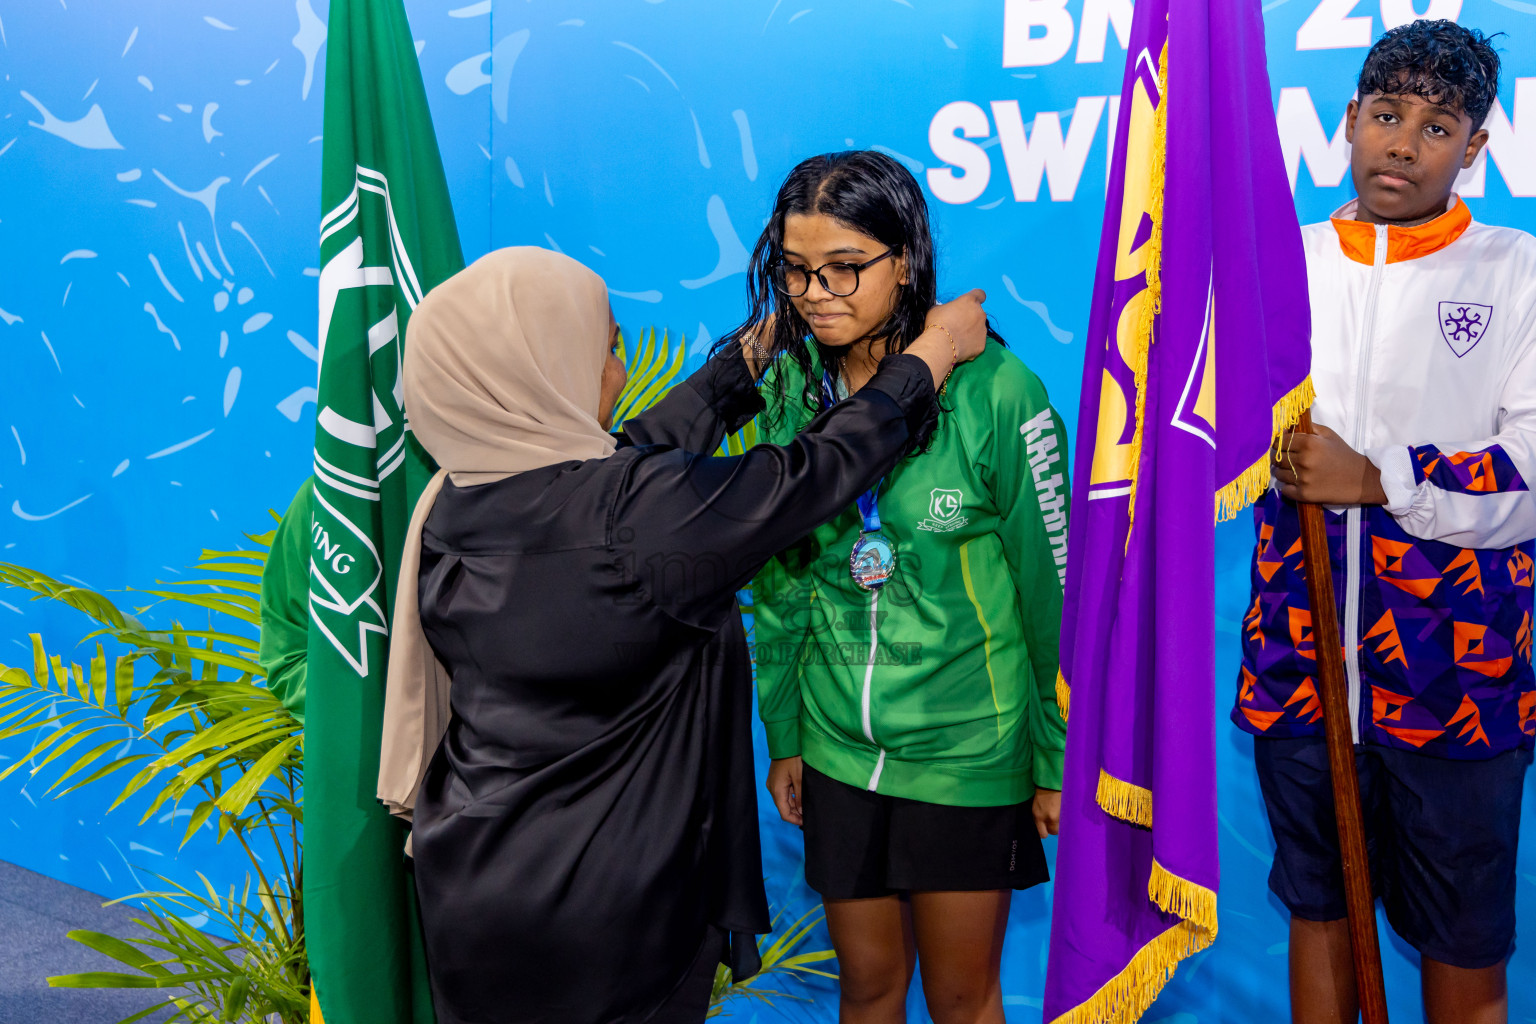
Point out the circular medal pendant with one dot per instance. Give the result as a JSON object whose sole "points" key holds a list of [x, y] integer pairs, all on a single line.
{"points": [[873, 561]]}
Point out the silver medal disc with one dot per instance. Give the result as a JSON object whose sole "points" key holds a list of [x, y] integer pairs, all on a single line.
{"points": [[873, 561]]}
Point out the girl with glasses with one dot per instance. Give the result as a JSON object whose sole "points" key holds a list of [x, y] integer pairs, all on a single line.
{"points": [[907, 650]]}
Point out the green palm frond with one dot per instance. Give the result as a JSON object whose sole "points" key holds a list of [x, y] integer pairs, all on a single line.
{"points": [[229, 737], [779, 957], [79, 598], [188, 700], [653, 368], [255, 977]]}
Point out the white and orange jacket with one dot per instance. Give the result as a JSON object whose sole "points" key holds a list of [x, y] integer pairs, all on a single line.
{"points": [[1424, 359]]}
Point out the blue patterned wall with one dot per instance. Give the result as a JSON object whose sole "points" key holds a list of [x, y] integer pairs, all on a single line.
{"points": [[159, 166]]}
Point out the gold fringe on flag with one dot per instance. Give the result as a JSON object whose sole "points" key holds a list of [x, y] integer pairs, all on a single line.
{"points": [[1194, 903], [1153, 304], [1129, 994], [1124, 800], [1063, 695], [1252, 482]]}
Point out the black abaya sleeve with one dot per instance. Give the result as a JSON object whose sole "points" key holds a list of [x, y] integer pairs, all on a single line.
{"points": [[717, 399], [694, 529]]}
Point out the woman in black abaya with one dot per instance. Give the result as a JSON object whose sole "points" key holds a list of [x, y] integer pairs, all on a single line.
{"points": [[585, 824]]}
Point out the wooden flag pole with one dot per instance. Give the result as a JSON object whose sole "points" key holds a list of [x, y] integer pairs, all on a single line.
{"points": [[1333, 691]]}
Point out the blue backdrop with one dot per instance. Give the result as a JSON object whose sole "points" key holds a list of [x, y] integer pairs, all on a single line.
{"points": [[160, 162]]}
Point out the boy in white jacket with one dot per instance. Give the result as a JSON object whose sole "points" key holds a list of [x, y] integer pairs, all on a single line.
{"points": [[1424, 360]]}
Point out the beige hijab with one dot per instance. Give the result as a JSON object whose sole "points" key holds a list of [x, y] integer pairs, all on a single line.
{"points": [[502, 374]]}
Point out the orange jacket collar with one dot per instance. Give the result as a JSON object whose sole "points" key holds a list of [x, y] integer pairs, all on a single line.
{"points": [[1358, 239]]}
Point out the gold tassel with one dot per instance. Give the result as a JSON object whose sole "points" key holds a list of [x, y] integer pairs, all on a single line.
{"points": [[1129, 994], [1154, 293], [1124, 800], [1063, 695], [1194, 903], [1252, 482]]}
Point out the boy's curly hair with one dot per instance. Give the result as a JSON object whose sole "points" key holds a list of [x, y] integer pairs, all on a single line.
{"points": [[1439, 61]]}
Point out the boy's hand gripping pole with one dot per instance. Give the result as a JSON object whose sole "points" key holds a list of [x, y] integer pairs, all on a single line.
{"points": [[1333, 691]]}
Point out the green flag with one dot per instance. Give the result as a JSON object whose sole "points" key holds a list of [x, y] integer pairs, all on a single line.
{"points": [[387, 236]]}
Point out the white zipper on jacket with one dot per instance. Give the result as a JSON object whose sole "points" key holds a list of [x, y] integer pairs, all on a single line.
{"points": [[1352, 516], [869, 677]]}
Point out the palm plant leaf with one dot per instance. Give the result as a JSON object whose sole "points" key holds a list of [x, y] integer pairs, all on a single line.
{"points": [[257, 776], [83, 762], [117, 949], [249, 586], [235, 605], [107, 979], [246, 568], [778, 957], [79, 598], [109, 768], [668, 367], [192, 693], [652, 370]]}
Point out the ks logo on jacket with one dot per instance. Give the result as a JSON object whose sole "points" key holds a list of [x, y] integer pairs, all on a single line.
{"points": [[944, 507]]}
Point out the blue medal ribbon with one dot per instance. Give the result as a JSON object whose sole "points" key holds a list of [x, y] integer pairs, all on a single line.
{"points": [[873, 558], [869, 502], [869, 507], [829, 395]]}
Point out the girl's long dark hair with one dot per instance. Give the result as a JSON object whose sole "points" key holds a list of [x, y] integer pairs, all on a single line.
{"points": [[872, 194]]}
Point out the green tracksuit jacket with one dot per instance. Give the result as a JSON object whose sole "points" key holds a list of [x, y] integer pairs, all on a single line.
{"points": [[941, 686], [285, 603]]}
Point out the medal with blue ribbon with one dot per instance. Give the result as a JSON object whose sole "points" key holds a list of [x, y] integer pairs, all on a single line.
{"points": [[873, 559]]}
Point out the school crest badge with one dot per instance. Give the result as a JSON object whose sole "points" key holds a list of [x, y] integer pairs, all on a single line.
{"points": [[1463, 324], [944, 507]]}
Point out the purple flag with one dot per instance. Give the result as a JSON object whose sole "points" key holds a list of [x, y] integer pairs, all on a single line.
{"points": [[1198, 355]]}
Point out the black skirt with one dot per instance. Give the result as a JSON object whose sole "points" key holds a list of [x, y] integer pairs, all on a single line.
{"points": [[861, 845]]}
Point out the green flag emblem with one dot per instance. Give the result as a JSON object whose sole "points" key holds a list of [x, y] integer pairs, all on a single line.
{"points": [[387, 235]]}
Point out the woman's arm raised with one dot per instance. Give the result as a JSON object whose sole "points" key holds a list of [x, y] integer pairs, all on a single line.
{"points": [[697, 528], [717, 399]]}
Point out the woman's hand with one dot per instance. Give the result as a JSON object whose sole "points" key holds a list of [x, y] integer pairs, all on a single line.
{"points": [[784, 787], [754, 346], [1047, 808], [966, 320], [956, 333]]}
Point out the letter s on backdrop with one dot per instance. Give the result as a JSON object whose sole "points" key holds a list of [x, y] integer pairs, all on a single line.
{"points": [[971, 121]]}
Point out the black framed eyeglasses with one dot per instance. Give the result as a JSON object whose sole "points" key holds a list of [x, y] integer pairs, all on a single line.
{"points": [[840, 279]]}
